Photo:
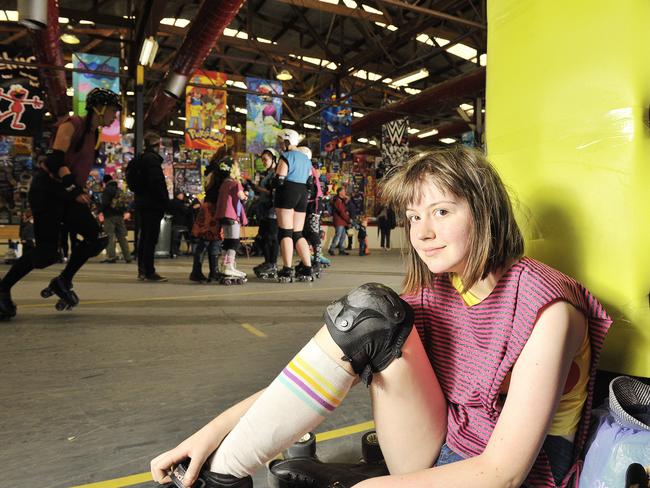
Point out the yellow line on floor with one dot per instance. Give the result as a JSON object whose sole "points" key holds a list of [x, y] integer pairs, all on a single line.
{"points": [[253, 330], [294, 291], [139, 478]]}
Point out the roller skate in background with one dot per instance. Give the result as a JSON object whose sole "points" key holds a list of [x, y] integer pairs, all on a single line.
{"points": [[68, 299], [325, 262], [7, 306], [301, 468], [285, 275], [266, 271], [229, 274], [304, 273]]}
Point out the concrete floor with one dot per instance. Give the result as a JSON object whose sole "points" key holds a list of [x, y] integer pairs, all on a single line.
{"points": [[92, 395]]}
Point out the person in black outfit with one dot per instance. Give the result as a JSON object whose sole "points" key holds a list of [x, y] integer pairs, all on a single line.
{"points": [[181, 221], [57, 197], [151, 201]]}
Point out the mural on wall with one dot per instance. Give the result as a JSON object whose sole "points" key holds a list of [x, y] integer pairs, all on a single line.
{"points": [[106, 75], [205, 111], [395, 143], [263, 114], [21, 98], [336, 125]]}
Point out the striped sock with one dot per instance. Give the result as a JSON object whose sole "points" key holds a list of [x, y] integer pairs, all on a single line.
{"points": [[310, 387]]}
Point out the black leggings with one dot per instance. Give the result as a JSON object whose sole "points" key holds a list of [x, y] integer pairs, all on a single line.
{"points": [[51, 210], [269, 235]]}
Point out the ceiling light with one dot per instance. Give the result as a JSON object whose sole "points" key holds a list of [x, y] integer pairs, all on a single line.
{"points": [[466, 107], [181, 118], [70, 39], [148, 51], [309, 103], [288, 122], [372, 142], [362, 140], [69, 91], [413, 130], [129, 93], [241, 110], [69, 65], [411, 77], [290, 95], [428, 133], [70, 113], [448, 140], [350, 3], [63, 20], [129, 122], [284, 75], [357, 114], [48, 114], [177, 132], [86, 22]]}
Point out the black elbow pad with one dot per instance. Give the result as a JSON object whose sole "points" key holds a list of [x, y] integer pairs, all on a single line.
{"points": [[54, 161]]}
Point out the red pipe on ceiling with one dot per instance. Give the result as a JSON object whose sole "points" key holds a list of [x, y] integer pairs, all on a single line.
{"points": [[47, 49], [458, 87], [206, 29]]}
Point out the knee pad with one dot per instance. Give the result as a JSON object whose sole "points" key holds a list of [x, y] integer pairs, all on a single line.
{"points": [[370, 324], [285, 233], [296, 236], [42, 257], [229, 244]]}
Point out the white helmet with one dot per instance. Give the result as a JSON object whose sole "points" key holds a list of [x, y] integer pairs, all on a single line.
{"points": [[273, 152], [305, 150], [289, 135]]}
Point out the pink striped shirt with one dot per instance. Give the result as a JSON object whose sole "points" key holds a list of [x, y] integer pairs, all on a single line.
{"points": [[472, 349]]}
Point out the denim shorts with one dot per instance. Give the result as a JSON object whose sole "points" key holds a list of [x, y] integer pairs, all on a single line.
{"points": [[447, 456], [558, 449]]}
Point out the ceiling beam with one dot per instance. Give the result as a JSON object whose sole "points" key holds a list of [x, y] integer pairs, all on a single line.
{"points": [[434, 13], [356, 13], [97, 18]]}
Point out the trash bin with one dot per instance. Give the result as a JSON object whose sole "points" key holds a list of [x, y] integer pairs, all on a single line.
{"points": [[163, 247]]}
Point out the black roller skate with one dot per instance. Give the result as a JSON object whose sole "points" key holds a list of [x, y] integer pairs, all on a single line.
{"points": [[68, 299], [266, 271], [7, 306], [315, 269], [304, 273], [285, 275], [208, 479], [301, 468]]}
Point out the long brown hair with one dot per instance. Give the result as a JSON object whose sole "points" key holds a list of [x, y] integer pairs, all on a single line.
{"points": [[494, 237]]}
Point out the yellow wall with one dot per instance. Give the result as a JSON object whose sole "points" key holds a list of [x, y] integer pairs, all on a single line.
{"points": [[568, 91]]}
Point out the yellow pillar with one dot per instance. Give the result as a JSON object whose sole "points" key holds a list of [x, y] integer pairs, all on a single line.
{"points": [[568, 91]]}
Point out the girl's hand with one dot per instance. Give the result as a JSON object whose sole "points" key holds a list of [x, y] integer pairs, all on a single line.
{"points": [[197, 448], [242, 196]]}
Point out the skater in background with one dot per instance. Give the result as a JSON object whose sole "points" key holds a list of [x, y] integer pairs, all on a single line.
{"points": [[362, 236], [231, 215], [312, 221], [448, 410], [57, 197], [114, 203], [268, 229], [206, 228], [292, 187], [386, 222]]}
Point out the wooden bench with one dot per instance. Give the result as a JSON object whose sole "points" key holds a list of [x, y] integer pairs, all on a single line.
{"points": [[9, 232], [247, 238]]}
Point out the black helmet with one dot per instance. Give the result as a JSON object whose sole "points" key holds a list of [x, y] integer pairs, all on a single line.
{"points": [[101, 97]]}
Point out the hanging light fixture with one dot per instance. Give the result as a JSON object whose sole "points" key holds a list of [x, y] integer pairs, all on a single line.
{"points": [[32, 13], [284, 75]]}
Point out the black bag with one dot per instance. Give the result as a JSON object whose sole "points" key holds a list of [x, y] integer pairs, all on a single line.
{"points": [[134, 175]]}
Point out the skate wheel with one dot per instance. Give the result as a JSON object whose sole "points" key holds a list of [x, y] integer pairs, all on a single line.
{"points": [[304, 447], [46, 293], [370, 449], [61, 305]]}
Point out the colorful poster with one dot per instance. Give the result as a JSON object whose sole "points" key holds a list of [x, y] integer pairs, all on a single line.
{"points": [[21, 99], [263, 114], [106, 76], [205, 111], [395, 143], [336, 126]]}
